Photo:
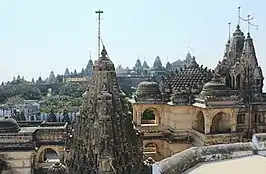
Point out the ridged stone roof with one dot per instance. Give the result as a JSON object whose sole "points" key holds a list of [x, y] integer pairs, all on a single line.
{"points": [[9, 125], [193, 76], [57, 168]]}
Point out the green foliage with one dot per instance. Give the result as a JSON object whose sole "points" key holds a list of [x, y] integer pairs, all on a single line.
{"points": [[73, 89], [21, 88], [59, 103], [15, 100], [148, 114]]}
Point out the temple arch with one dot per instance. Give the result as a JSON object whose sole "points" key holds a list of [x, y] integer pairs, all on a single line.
{"points": [[150, 116], [238, 81], [200, 122], [221, 123], [228, 81], [48, 155]]}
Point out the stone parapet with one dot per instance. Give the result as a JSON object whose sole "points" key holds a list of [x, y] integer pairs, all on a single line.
{"points": [[187, 159]]}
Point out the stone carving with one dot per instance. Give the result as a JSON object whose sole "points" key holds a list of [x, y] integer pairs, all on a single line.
{"points": [[104, 137]]}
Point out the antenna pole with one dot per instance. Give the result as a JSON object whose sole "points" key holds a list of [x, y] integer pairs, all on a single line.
{"points": [[239, 15], [99, 12], [248, 23], [229, 32]]}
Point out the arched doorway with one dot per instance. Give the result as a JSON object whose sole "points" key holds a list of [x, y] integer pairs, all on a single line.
{"points": [[238, 80], [228, 81], [221, 123], [149, 116], [49, 155], [200, 123]]}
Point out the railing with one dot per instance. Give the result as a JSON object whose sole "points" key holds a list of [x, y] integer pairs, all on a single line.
{"points": [[148, 121], [149, 150], [218, 138]]}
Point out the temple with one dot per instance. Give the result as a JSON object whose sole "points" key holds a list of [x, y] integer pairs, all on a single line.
{"points": [[31, 146], [105, 140], [196, 106]]}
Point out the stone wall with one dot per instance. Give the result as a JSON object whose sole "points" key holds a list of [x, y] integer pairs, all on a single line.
{"points": [[20, 161], [187, 159]]}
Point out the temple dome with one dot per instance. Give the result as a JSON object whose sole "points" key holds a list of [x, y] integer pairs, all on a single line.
{"points": [[214, 88], [9, 125], [57, 168], [148, 90]]}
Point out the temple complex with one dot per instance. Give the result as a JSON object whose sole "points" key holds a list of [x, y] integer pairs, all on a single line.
{"points": [[130, 78], [104, 139], [196, 106]]}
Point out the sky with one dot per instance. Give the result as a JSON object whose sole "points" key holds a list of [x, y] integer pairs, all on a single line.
{"points": [[38, 36]]}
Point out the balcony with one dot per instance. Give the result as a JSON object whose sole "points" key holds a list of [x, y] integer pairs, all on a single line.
{"points": [[221, 138]]}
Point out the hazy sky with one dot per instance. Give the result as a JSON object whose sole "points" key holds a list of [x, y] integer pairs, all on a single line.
{"points": [[37, 36]]}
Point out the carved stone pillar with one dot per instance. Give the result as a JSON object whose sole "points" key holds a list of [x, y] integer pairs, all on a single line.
{"points": [[233, 120], [207, 128], [233, 127], [62, 156], [139, 115], [135, 115], [207, 124]]}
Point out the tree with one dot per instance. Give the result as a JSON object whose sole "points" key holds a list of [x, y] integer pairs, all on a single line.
{"points": [[15, 100], [73, 89], [60, 103], [25, 90], [59, 78]]}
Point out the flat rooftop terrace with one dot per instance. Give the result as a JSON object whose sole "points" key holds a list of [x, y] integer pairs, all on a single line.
{"points": [[254, 164]]}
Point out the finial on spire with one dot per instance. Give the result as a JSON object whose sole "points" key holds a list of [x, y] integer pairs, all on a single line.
{"points": [[238, 15], [99, 12], [229, 30], [166, 58], [90, 54]]}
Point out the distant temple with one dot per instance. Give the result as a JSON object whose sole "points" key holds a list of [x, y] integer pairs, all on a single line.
{"points": [[129, 78]]}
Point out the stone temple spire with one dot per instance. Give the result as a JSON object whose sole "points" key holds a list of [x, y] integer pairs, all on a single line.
{"points": [[138, 67], [249, 54], [236, 45], [105, 140], [157, 63]]}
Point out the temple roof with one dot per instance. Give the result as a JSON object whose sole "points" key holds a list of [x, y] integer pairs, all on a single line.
{"points": [[157, 63], [57, 168], [9, 125], [168, 66], [145, 65], [193, 75], [104, 126], [249, 53], [148, 90], [215, 87]]}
